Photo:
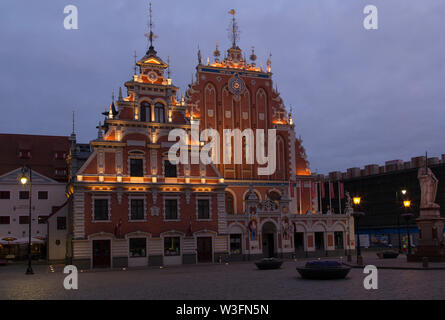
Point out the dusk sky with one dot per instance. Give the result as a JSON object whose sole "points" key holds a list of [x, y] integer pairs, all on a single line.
{"points": [[359, 96]]}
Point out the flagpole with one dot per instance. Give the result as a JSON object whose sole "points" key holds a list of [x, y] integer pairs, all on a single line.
{"points": [[310, 196], [339, 198], [330, 198], [299, 196]]}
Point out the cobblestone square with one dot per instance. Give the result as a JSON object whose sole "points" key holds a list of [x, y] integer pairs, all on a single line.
{"points": [[239, 281]]}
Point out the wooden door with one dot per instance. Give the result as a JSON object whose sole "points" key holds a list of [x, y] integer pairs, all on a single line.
{"points": [[204, 245], [101, 253]]}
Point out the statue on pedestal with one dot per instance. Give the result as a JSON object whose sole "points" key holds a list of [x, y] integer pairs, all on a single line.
{"points": [[428, 188]]}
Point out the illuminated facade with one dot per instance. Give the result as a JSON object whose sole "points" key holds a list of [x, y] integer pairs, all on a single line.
{"points": [[132, 207]]}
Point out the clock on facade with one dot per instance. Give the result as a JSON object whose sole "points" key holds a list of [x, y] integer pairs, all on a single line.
{"points": [[152, 76], [236, 85]]}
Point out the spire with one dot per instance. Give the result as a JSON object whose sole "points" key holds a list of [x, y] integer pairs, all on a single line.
{"points": [[168, 68], [233, 30], [135, 62], [269, 63], [216, 53], [150, 35], [253, 56], [120, 94], [73, 133]]}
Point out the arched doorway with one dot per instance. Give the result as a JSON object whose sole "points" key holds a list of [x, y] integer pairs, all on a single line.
{"points": [[268, 233]]}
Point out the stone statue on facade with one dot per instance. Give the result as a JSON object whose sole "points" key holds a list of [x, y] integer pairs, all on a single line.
{"points": [[428, 188], [348, 208]]}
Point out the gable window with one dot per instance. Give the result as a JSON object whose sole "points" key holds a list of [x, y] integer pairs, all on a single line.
{"points": [[137, 209], [61, 223], [203, 209], [159, 112], [171, 209], [169, 169], [42, 195], [100, 209], [5, 194], [23, 195], [59, 155], [25, 154], [60, 172], [145, 112], [136, 168], [4, 220]]}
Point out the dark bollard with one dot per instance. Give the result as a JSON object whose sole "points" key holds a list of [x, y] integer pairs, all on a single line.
{"points": [[425, 262]]}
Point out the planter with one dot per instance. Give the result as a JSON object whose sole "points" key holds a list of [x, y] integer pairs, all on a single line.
{"points": [[388, 255], [269, 263], [323, 270]]}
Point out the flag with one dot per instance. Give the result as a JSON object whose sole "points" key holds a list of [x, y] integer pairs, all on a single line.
{"points": [[323, 193], [331, 189], [342, 190]]}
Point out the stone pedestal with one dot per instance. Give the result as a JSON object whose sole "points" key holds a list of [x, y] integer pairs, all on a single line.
{"points": [[431, 241]]}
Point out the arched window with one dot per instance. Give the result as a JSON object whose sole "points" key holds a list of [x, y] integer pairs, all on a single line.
{"points": [[230, 208], [159, 112], [274, 196], [145, 111]]}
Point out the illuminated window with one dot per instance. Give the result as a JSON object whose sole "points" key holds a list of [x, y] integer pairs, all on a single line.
{"points": [[159, 112], [172, 246]]}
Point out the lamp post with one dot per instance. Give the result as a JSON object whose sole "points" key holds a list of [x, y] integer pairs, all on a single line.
{"points": [[26, 178], [407, 216], [403, 191], [357, 215]]}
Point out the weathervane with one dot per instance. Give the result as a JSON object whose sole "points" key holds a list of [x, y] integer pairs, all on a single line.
{"points": [[233, 29], [150, 35], [135, 62]]}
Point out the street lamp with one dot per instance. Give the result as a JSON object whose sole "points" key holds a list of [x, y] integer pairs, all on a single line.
{"points": [[26, 178], [357, 215], [403, 192], [407, 216]]}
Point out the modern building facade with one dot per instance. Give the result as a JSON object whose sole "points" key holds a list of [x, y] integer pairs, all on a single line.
{"points": [[383, 190], [134, 207]]}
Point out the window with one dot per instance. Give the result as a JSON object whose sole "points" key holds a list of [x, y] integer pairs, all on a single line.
{"points": [[235, 244], [203, 209], [59, 155], [5, 195], [136, 168], [61, 223], [171, 209], [229, 203], [137, 209], [25, 154], [5, 220], [24, 220], [145, 112], [42, 219], [100, 209], [338, 239], [23, 195], [138, 247], [172, 246], [159, 112], [42, 195], [169, 169], [60, 172]]}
